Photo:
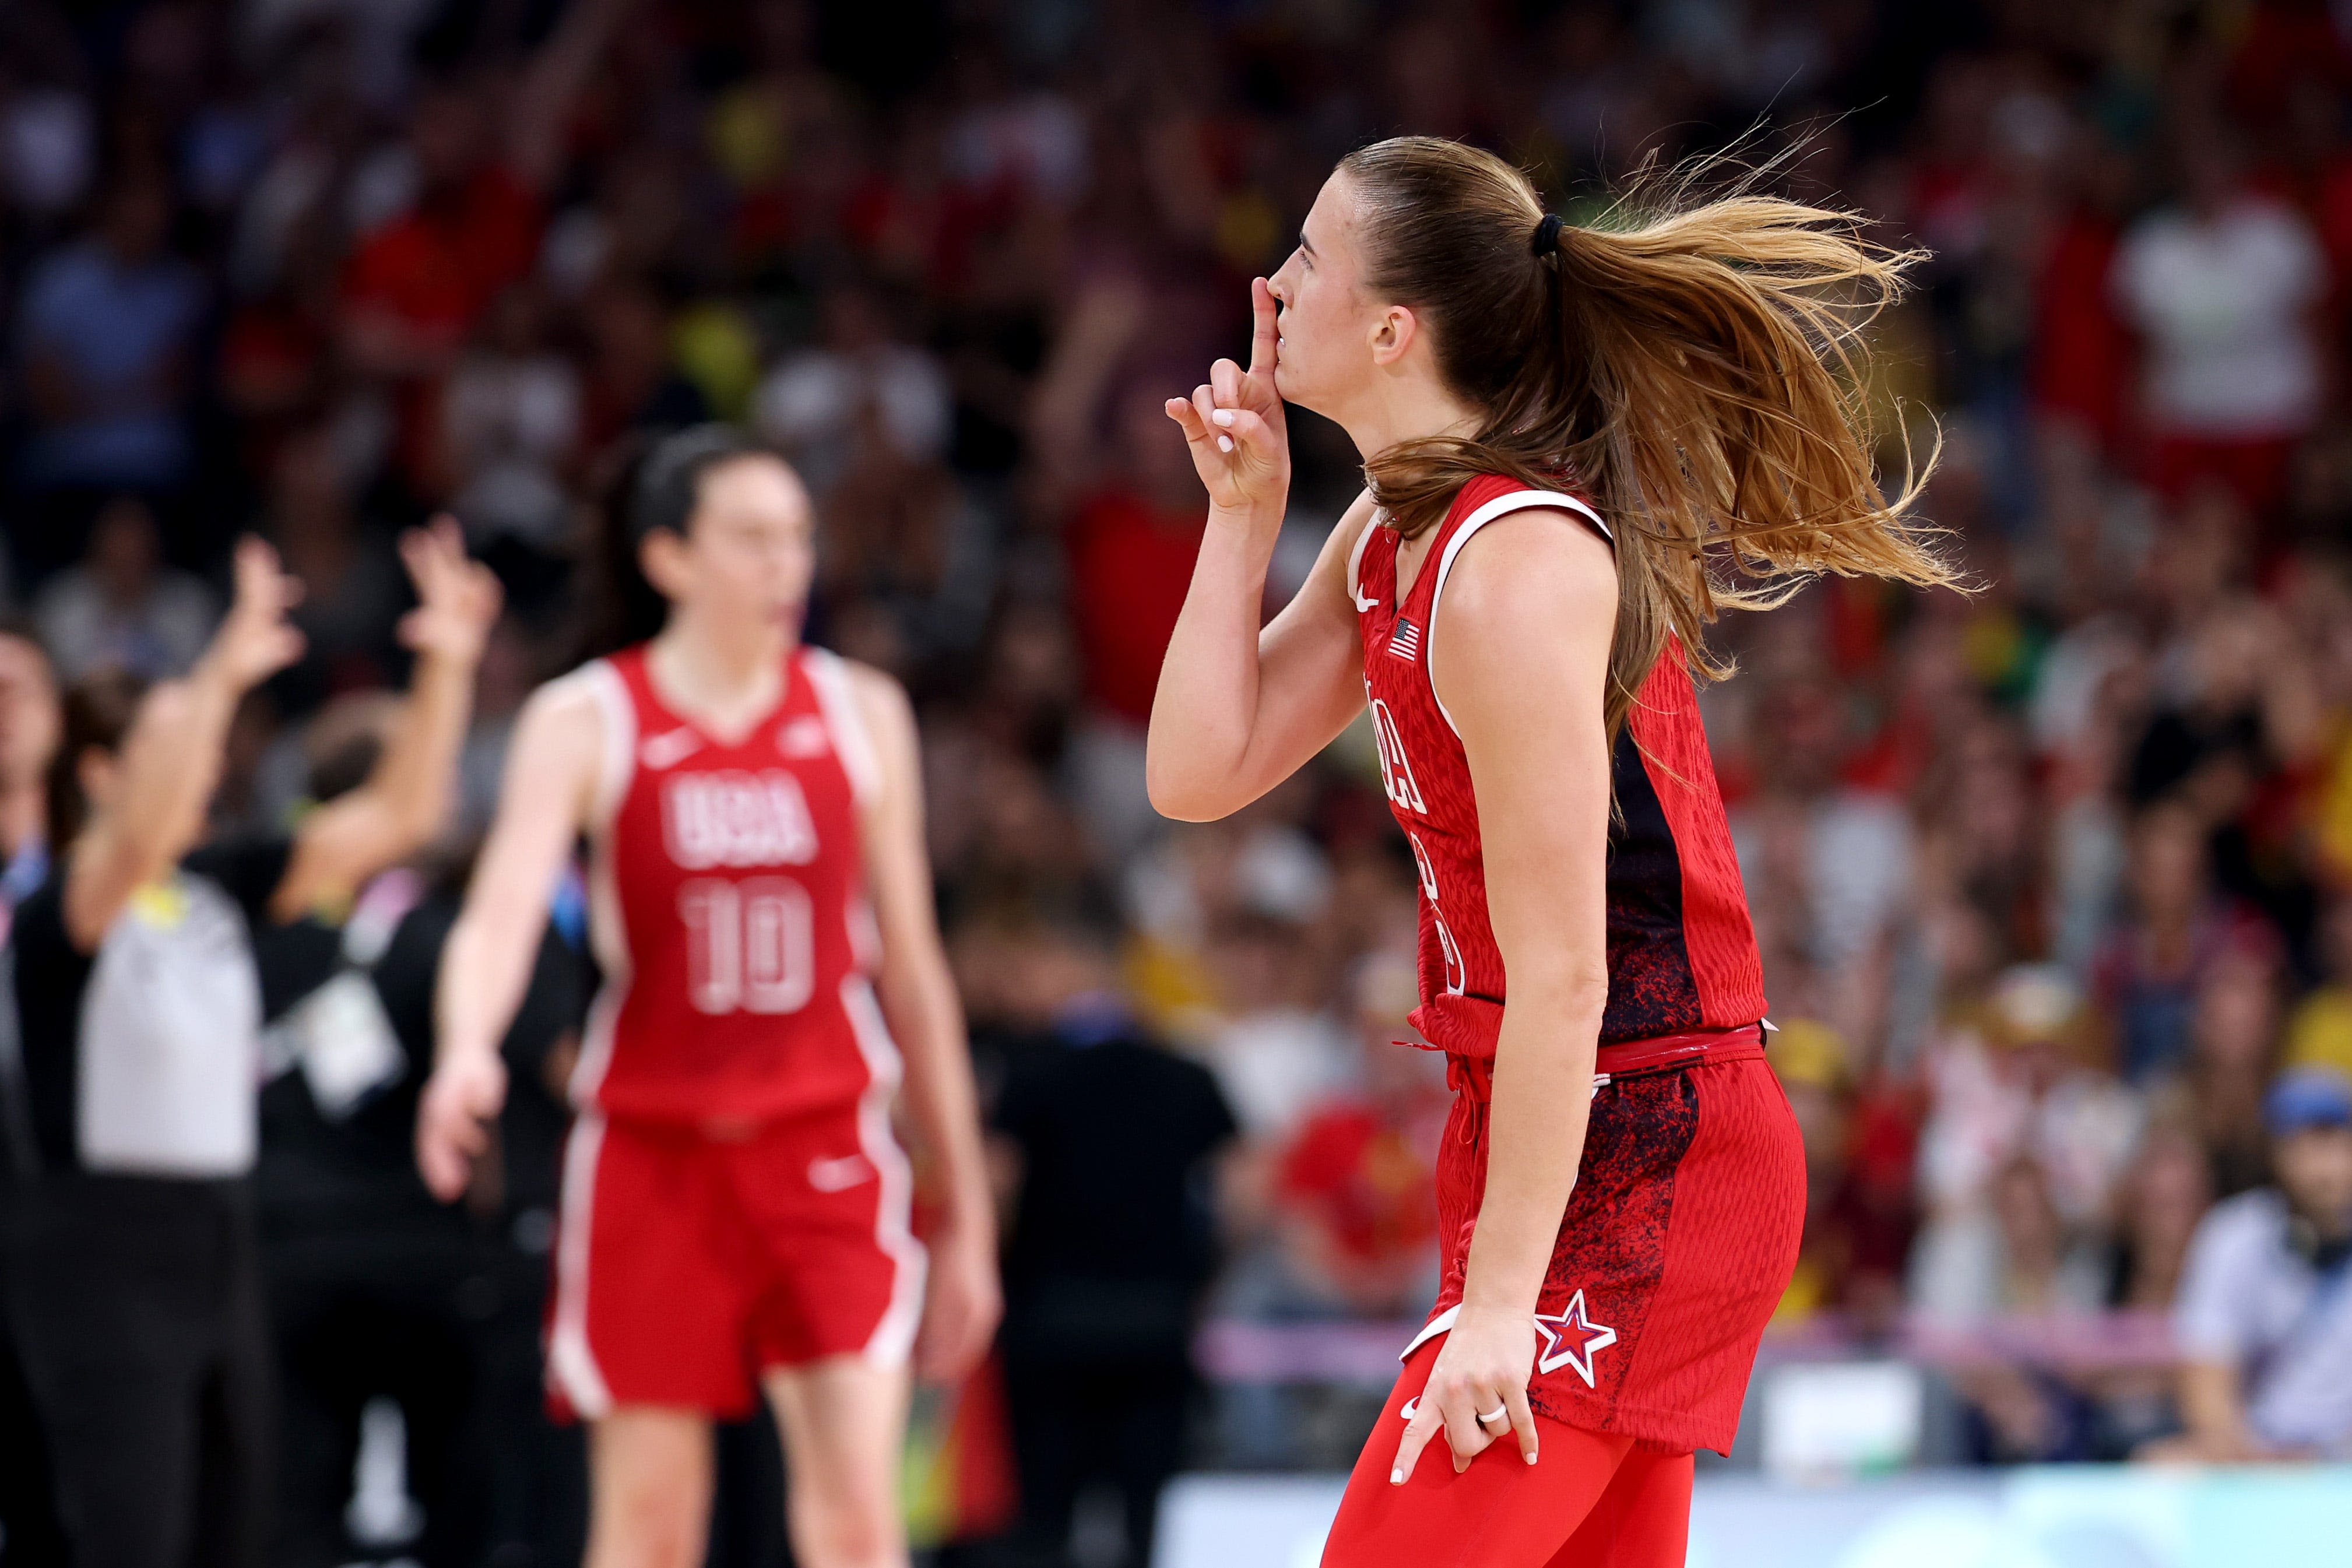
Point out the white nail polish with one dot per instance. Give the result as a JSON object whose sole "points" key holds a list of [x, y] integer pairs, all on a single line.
{"points": [[1224, 443], [1396, 1477], [1223, 416]]}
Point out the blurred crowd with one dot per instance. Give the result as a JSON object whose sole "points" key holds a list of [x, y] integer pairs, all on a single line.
{"points": [[2053, 882]]}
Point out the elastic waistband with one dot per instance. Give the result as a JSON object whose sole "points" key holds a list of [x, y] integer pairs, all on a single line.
{"points": [[1633, 1059]]}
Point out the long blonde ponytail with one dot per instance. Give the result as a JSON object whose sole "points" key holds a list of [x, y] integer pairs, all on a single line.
{"points": [[1696, 368]]}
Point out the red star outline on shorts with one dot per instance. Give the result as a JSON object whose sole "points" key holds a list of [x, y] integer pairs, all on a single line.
{"points": [[1573, 1342]]}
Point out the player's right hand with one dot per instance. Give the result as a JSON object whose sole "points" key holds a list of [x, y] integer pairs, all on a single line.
{"points": [[1481, 1369], [1234, 423], [452, 1118]]}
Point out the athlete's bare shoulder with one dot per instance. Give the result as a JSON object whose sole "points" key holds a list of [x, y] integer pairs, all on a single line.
{"points": [[571, 706], [1529, 569], [888, 714], [878, 692], [563, 737]]}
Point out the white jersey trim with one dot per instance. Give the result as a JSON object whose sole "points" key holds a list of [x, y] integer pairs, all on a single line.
{"points": [[1431, 1330], [1501, 506], [596, 1042], [618, 756], [616, 772], [1356, 566], [571, 1362], [894, 1337], [829, 675], [608, 940]]}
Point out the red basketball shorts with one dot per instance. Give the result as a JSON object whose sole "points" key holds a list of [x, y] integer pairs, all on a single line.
{"points": [[1589, 1501], [687, 1265], [1676, 1247]]}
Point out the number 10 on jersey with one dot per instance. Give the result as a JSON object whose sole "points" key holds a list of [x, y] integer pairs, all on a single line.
{"points": [[750, 945]]}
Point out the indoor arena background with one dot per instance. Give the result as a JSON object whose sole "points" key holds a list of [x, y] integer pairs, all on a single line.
{"points": [[2051, 881]]}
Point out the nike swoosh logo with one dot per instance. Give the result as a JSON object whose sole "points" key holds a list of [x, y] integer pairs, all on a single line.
{"points": [[804, 737], [838, 1175], [668, 749], [1411, 1408]]}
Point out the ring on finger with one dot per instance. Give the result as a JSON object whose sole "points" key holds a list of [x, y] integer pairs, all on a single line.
{"points": [[1500, 1413]]}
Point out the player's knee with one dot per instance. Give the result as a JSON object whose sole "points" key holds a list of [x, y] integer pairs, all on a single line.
{"points": [[647, 1524], [850, 1529]]}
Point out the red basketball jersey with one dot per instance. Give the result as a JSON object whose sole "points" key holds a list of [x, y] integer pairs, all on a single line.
{"points": [[727, 900], [1681, 952]]}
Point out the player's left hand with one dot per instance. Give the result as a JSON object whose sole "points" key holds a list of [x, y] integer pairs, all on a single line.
{"points": [[1481, 1368], [961, 1306]]}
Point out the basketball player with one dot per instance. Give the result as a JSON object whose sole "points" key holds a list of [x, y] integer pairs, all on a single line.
{"points": [[735, 1206], [1568, 434]]}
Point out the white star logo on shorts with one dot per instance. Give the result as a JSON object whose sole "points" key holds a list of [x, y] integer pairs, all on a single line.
{"points": [[1570, 1340]]}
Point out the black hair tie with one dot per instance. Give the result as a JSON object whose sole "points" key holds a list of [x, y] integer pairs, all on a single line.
{"points": [[1547, 236]]}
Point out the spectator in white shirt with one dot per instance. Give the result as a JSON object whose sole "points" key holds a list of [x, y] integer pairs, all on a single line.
{"points": [[2224, 290], [2264, 1316], [123, 608], [811, 403]]}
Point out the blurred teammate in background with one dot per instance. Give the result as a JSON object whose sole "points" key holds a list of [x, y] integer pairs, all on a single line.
{"points": [[735, 1209], [1568, 428], [135, 1288]]}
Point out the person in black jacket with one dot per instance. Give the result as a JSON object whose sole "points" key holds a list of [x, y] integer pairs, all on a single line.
{"points": [[1109, 1253], [378, 1290]]}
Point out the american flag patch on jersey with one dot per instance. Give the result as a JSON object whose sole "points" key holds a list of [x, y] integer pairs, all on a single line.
{"points": [[1405, 641]]}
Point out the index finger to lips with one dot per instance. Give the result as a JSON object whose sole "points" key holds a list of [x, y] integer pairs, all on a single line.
{"points": [[1264, 328]]}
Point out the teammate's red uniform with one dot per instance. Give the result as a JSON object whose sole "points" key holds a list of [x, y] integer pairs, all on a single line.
{"points": [[1683, 1227], [733, 1198]]}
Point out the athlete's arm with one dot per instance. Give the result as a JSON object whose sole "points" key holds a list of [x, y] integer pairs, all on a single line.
{"points": [[1238, 709], [543, 803], [918, 1002], [170, 758], [405, 799], [1520, 660]]}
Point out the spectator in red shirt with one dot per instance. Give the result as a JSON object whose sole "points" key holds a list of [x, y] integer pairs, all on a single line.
{"points": [[484, 150], [416, 286], [1133, 523], [1130, 548], [1352, 1189]]}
